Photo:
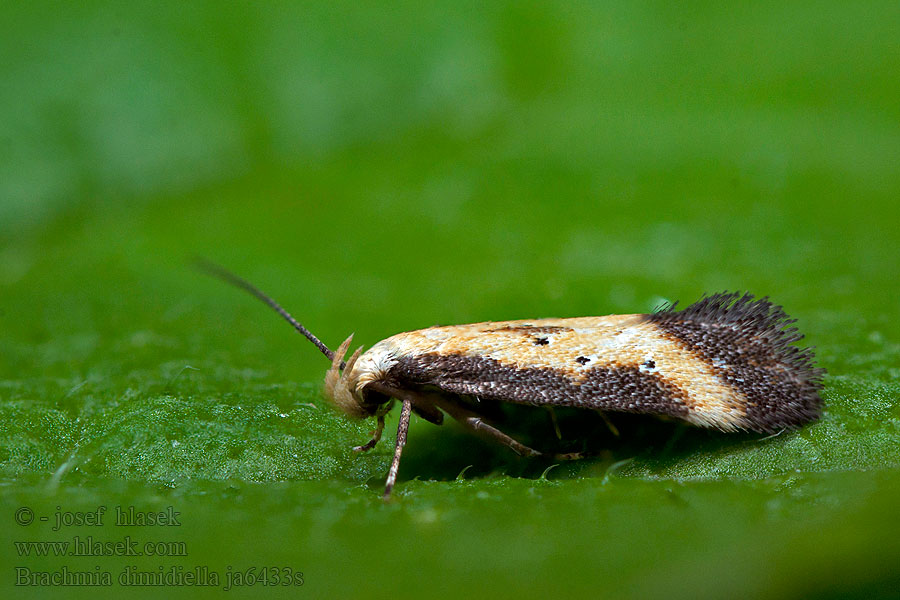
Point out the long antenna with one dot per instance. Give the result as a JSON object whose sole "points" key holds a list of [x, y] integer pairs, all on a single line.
{"points": [[211, 268]]}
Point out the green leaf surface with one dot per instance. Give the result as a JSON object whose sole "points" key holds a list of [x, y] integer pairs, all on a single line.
{"points": [[381, 170]]}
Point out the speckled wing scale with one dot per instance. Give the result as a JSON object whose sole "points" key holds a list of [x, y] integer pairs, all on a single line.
{"points": [[726, 362]]}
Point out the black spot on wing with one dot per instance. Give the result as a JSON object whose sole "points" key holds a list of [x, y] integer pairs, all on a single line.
{"points": [[749, 343], [616, 389]]}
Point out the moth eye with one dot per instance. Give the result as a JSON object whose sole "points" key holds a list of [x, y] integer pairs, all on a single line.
{"points": [[582, 360], [650, 364], [541, 341]]}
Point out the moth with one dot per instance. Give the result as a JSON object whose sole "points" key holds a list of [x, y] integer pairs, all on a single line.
{"points": [[726, 362]]}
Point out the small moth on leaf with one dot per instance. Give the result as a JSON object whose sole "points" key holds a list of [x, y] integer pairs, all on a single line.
{"points": [[725, 362]]}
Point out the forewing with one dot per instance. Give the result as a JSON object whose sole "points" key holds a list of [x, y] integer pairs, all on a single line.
{"points": [[585, 363]]}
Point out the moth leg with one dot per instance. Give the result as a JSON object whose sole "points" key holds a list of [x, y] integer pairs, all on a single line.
{"points": [[476, 423], [612, 428], [570, 456], [402, 428], [425, 405], [422, 405], [379, 427], [555, 422], [376, 435]]}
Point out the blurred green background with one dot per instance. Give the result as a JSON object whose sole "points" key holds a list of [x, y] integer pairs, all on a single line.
{"points": [[385, 169]]}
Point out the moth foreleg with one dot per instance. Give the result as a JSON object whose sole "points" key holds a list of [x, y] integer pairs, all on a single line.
{"points": [[376, 435]]}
